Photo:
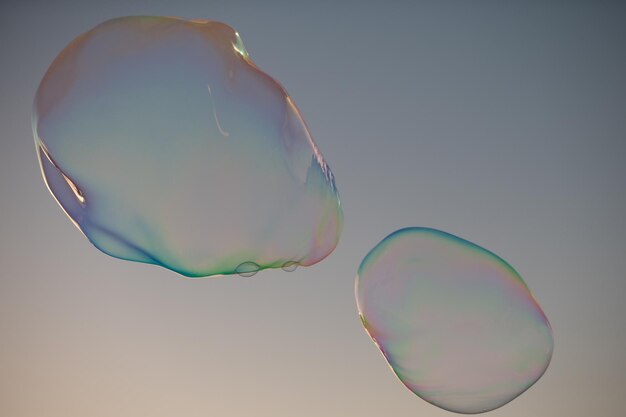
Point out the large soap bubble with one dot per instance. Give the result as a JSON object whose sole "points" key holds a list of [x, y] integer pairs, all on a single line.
{"points": [[165, 144], [456, 323]]}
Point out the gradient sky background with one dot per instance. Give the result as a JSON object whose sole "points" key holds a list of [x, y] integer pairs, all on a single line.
{"points": [[501, 122]]}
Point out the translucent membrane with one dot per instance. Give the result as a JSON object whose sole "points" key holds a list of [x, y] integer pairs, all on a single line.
{"points": [[457, 325], [165, 144]]}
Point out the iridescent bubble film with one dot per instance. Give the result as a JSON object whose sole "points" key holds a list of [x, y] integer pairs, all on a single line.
{"points": [[165, 144], [455, 322]]}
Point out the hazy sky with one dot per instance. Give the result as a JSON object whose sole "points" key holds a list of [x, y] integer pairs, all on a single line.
{"points": [[503, 123]]}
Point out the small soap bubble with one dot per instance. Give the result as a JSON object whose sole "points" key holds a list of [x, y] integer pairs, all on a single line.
{"points": [[247, 269], [165, 144], [290, 266], [455, 322]]}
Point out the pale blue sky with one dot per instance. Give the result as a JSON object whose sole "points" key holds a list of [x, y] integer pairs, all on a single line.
{"points": [[500, 122]]}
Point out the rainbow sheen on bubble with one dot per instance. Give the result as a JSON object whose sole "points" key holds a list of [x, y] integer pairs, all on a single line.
{"points": [[165, 144], [455, 322]]}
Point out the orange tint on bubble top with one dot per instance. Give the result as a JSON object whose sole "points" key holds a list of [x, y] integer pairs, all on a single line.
{"points": [[165, 144]]}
